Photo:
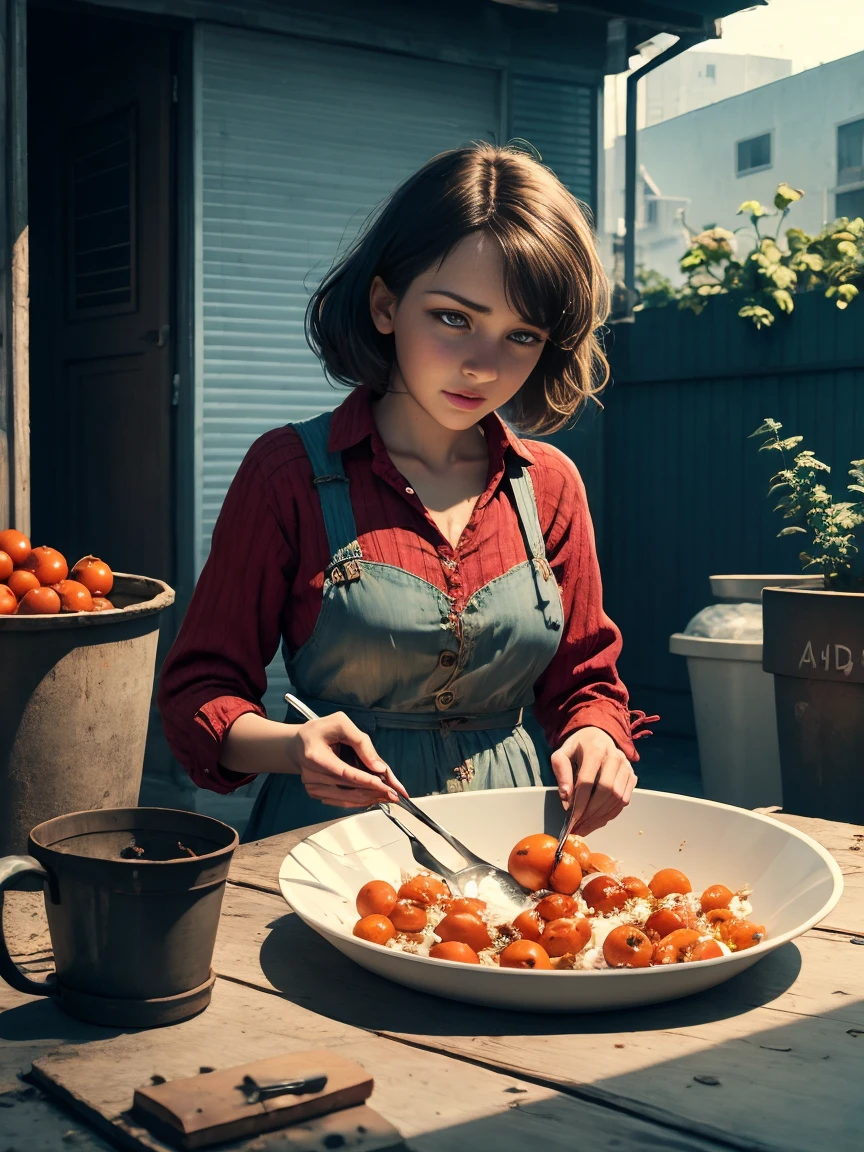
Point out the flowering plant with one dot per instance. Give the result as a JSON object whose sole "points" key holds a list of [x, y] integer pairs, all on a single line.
{"points": [[771, 273]]}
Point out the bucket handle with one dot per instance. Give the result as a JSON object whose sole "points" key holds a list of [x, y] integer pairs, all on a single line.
{"points": [[21, 874]]}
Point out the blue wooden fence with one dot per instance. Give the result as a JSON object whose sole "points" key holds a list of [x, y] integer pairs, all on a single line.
{"points": [[678, 492]]}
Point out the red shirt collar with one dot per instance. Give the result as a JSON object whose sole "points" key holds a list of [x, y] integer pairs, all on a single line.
{"points": [[353, 421]]}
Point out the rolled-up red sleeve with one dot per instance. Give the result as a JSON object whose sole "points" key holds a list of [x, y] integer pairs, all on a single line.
{"points": [[216, 669], [581, 687]]}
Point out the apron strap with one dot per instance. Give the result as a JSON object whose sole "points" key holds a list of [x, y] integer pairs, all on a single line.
{"points": [[532, 533], [333, 492]]}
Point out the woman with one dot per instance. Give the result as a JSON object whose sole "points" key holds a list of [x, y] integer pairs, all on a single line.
{"points": [[429, 573]]}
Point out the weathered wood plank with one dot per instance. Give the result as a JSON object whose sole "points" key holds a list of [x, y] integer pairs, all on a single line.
{"points": [[845, 842], [437, 1103], [264, 945], [806, 998]]}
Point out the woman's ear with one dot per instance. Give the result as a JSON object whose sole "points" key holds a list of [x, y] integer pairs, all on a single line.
{"points": [[382, 305]]}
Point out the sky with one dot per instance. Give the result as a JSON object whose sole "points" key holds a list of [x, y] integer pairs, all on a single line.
{"points": [[807, 32]]}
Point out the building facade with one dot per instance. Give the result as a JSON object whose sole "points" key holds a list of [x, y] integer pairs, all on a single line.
{"points": [[806, 129]]}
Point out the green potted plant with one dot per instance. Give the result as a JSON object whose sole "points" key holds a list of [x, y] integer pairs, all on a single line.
{"points": [[813, 639]]}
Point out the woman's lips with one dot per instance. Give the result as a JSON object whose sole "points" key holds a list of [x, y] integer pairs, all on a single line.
{"points": [[461, 400]]}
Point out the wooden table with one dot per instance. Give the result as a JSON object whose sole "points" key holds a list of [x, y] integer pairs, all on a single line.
{"points": [[772, 1060]]}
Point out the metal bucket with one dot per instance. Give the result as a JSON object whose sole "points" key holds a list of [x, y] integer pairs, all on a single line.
{"points": [[75, 695], [132, 913]]}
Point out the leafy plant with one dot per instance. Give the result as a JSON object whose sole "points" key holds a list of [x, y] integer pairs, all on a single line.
{"points": [[770, 274], [832, 526]]}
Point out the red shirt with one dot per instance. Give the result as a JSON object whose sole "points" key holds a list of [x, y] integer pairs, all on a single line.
{"points": [[265, 574]]}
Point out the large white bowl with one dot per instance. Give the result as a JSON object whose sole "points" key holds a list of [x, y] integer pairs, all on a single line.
{"points": [[795, 884]]}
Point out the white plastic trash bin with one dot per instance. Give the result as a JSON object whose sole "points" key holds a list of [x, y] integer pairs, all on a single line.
{"points": [[736, 726], [733, 699]]}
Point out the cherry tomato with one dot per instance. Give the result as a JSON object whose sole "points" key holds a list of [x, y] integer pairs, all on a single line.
{"points": [[666, 920], [627, 947], [636, 888], [706, 949], [529, 925], [567, 875], [39, 602], [16, 545], [605, 894], [570, 934], [717, 896], [375, 929], [558, 904], [668, 881], [466, 928], [531, 861], [6, 565], [94, 574], [719, 916], [47, 565], [454, 950], [600, 862], [525, 954], [464, 904], [408, 917], [376, 897], [8, 601], [74, 597], [675, 947], [580, 850], [741, 934], [21, 581], [100, 604], [424, 889]]}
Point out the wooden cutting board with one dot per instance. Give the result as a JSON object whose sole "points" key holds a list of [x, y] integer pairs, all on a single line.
{"points": [[196, 1111]]}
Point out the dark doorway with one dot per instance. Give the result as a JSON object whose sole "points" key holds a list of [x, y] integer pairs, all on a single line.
{"points": [[101, 223]]}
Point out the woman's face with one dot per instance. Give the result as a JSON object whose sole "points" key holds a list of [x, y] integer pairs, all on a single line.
{"points": [[461, 351]]}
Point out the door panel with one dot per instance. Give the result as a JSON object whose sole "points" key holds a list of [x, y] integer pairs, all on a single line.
{"points": [[101, 145]]}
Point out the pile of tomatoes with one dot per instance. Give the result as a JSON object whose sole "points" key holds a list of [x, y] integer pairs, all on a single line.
{"points": [[37, 581], [669, 924]]}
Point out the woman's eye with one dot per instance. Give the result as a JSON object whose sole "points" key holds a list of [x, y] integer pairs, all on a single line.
{"points": [[452, 319], [524, 338]]}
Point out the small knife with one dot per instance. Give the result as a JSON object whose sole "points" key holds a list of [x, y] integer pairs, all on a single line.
{"points": [[255, 1092]]}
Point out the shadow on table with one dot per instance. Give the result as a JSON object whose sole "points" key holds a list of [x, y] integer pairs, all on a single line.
{"points": [[42, 1021], [310, 972]]}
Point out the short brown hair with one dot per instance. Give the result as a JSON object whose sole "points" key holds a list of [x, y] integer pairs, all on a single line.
{"points": [[553, 275]]}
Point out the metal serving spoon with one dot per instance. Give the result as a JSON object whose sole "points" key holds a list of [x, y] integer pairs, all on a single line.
{"points": [[466, 880]]}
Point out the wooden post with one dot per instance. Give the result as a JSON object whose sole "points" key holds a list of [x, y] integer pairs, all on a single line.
{"points": [[14, 272]]}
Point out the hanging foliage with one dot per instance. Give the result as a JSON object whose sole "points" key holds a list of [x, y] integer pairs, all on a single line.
{"points": [[769, 276]]}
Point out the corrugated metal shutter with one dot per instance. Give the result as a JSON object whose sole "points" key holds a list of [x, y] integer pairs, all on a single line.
{"points": [[560, 120], [298, 142]]}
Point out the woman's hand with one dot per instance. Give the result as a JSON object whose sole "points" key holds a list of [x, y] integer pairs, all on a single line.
{"points": [[326, 777], [604, 778]]}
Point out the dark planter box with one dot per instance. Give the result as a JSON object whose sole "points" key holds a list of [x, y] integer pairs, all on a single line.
{"points": [[814, 646]]}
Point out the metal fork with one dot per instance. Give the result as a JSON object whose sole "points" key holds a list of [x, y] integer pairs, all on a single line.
{"points": [[477, 869]]}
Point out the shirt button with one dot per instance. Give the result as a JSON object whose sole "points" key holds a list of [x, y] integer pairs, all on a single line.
{"points": [[444, 700], [447, 659], [410, 491]]}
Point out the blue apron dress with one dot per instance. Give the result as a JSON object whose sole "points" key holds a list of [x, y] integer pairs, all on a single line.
{"points": [[440, 693]]}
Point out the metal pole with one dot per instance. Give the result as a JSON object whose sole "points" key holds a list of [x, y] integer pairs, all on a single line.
{"points": [[630, 147]]}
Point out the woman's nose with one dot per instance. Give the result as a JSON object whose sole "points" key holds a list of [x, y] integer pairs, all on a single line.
{"points": [[481, 366]]}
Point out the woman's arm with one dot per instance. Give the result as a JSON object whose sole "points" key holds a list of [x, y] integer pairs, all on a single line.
{"points": [[216, 669], [580, 699], [215, 675]]}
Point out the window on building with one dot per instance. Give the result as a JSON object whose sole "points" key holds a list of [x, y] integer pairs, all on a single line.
{"points": [[754, 154], [710, 71], [850, 204], [850, 154]]}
